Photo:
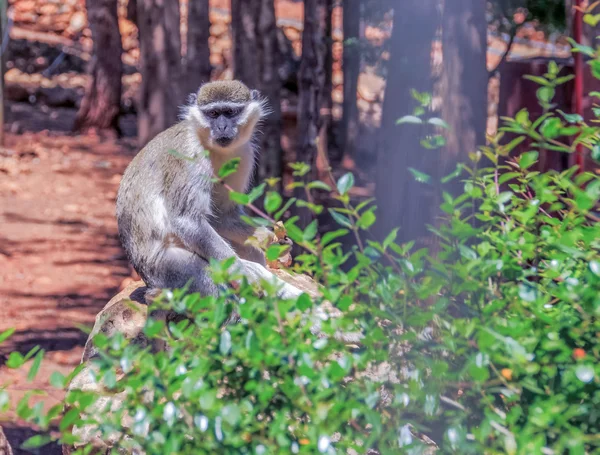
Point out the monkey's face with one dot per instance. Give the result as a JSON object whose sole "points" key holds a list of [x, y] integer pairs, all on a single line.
{"points": [[225, 115], [224, 121]]}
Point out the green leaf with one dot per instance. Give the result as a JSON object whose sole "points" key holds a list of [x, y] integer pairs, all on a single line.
{"points": [[526, 160], [419, 176], [225, 343], [304, 302], [411, 119], [6, 334], [340, 219], [239, 198], [550, 129], [591, 19], [317, 184], [35, 366], [538, 80], [273, 201], [311, 231], [545, 94], [391, 237], [438, 122], [275, 251], [366, 220], [596, 153], [15, 360], [229, 167], [57, 380], [528, 292], [36, 441], [256, 192], [454, 174], [332, 235], [345, 182], [506, 149]]}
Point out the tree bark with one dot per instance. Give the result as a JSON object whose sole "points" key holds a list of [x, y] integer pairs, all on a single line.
{"points": [[256, 63], [351, 67], [198, 68], [402, 200], [160, 65], [101, 103], [465, 80], [311, 84], [3, 47]]}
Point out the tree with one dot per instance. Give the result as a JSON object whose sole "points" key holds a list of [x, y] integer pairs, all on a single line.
{"points": [[101, 103], [256, 63], [160, 65], [351, 67], [465, 81], [311, 80], [401, 199], [197, 59]]}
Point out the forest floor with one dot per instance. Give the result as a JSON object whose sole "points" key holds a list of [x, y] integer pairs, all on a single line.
{"points": [[60, 258]]}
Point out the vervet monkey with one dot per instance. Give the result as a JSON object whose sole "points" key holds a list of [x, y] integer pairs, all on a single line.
{"points": [[172, 218]]}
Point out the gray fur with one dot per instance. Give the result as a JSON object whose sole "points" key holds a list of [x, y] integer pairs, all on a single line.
{"points": [[172, 218]]}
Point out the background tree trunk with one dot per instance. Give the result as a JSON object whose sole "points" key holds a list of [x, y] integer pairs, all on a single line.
{"points": [[351, 67], [325, 136], [160, 66], [102, 100], [311, 81], [3, 46], [403, 201], [197, 62], [256, 63], [131, 12], [465, 81]]}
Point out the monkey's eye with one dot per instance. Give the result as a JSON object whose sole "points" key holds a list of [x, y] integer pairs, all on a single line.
{"points": [[213, 113], [228, 112]]}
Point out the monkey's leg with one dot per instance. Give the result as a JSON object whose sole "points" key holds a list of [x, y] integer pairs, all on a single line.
{"points": [[175, 267], [256, 272]]}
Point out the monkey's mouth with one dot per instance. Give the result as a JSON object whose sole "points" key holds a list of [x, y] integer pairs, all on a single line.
{"points": [[224, 141]]}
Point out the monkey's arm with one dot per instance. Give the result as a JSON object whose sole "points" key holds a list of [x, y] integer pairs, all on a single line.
{"points": [[201, 238], [231, 226]]}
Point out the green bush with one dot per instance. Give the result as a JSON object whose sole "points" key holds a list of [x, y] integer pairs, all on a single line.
{"points": [[488, 346]]}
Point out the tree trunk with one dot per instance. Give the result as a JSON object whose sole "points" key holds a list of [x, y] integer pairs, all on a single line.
{"points": [[256, 63], [351, 67], [326, 117], [3, 47], [131, 13], [402, 200], [311, 83], [102, 100], [465, 81], [160, 65], [198, 68]]}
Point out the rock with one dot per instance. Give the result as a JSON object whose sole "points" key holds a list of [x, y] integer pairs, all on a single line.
{"points": [[5, 448]]}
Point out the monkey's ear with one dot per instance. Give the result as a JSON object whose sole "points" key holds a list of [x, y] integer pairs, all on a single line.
{"points": [[254, 95]]}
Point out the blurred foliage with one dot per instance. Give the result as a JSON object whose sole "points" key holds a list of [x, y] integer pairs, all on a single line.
{"points": [[548, 15], [489, 346]]}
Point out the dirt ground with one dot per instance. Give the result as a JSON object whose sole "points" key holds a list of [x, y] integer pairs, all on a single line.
{"points": [[60, 258]]}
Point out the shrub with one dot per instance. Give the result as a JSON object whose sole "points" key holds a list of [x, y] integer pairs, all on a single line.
{"points": [[488, 346]]}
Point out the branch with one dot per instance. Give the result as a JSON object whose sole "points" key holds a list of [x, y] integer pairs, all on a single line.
{"points": [[513, 33]]}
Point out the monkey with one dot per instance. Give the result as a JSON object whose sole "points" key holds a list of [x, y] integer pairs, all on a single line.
{"points": [[172, 216]]}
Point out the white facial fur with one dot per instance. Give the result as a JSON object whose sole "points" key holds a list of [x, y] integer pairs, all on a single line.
{"points": [[247, 121]]}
